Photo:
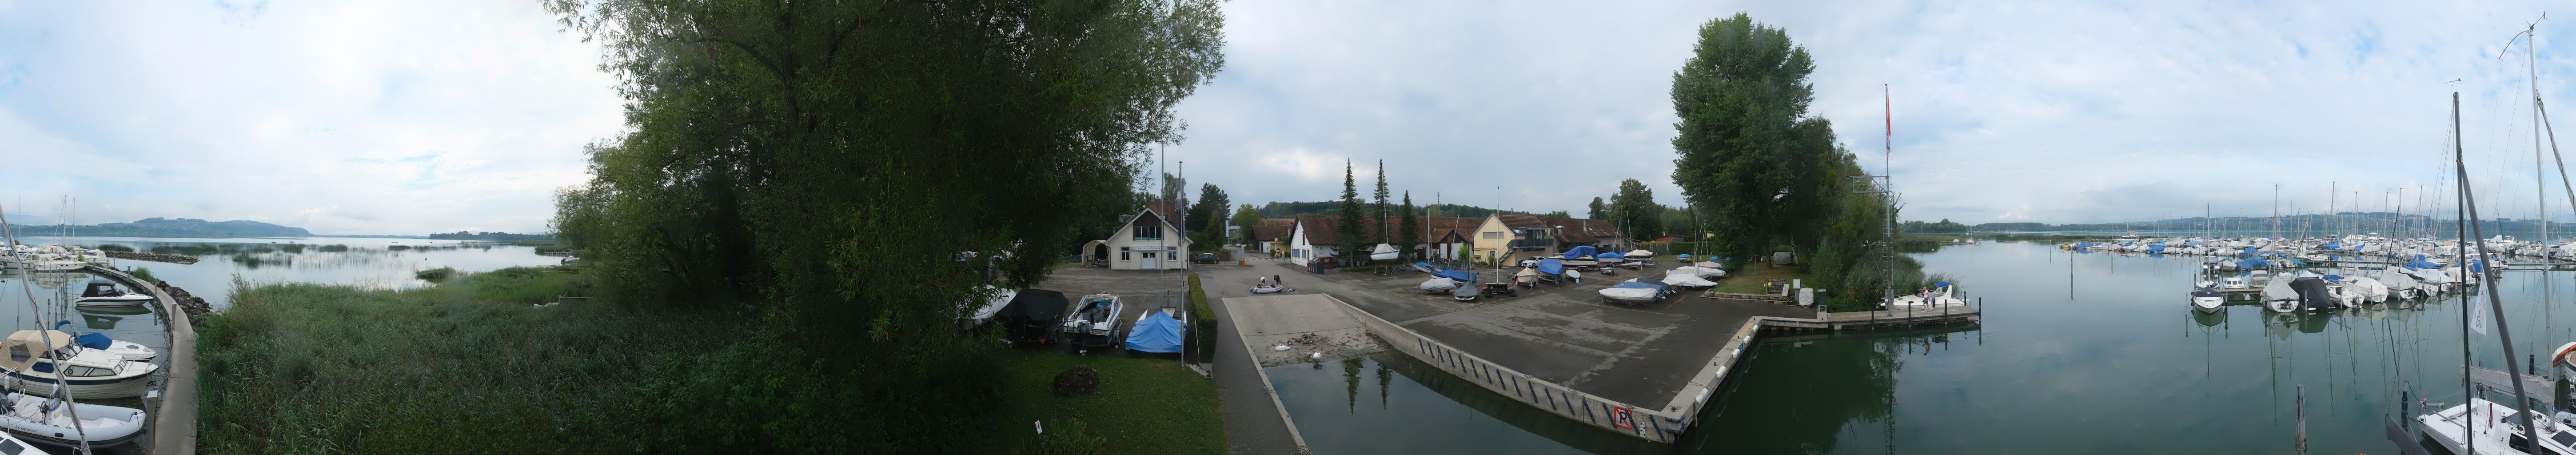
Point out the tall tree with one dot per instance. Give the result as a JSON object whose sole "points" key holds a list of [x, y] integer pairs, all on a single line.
{"points": [[1346, 228], [1745, 140], [1210, 207], [1599, 211], [1409, 234], [817, 166], [1173, 187], [1378, 230], [1634, 209]]}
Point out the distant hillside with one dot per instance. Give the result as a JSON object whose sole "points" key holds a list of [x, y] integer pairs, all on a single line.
{"points": [[170, 227]]}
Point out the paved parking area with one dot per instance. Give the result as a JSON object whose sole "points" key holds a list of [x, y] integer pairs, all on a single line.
{"points": [[1563, 334]]}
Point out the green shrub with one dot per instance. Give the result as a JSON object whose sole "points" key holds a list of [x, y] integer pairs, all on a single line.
{"points": [[142, 274], [1202, 321], [436, 274]]}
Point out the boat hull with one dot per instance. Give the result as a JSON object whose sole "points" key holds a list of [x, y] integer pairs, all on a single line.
{"points": [[122, 386]]}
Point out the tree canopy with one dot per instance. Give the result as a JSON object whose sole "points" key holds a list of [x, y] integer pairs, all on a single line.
{"points": [[824, 166], [1749, 154]]}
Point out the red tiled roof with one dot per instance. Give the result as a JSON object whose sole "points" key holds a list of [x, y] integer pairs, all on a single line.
{"points": [[1268, 233], [1320, 227]]}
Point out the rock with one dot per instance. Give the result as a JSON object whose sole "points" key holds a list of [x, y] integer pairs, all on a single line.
{"points": [[1080, 380]]}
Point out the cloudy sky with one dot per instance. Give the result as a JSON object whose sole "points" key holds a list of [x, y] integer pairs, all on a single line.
{"points": [[408, 118]]}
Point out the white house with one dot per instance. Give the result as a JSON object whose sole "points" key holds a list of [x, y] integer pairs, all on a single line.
{"points": [[1310, 237], [1148, 241]]}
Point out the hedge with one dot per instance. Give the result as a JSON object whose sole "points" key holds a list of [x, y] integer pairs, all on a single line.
{"points": [[1203, 321]]}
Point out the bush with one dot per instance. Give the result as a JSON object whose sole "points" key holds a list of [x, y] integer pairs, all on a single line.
{"points": [[1202, 321], [143, 274], [436, 274]]}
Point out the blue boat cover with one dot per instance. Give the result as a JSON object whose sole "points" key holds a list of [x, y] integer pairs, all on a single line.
{"points": [[2333, 277], [2420, 263], [2158, 247], [1157, 333], [1426, 266], [1551, 266], [92, 340], [1461, 275], [2331, 246], [1577, 253], [1606, 256], [1683, 256]]}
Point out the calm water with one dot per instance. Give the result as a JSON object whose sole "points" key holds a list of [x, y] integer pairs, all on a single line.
{"points": [[372, 262], [2078, 353]]}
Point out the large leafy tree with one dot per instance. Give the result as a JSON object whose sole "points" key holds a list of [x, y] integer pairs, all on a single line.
{"points": [[1599, 211], [1749, 154], [1246, 216], [1634, 209], [825, 166]]}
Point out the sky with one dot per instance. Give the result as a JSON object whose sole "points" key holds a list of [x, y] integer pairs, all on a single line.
{"points": [[2057, 112], [409, 118]]}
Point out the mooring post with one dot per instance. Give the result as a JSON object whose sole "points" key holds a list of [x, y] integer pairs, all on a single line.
{"points": [[2303, 418]]}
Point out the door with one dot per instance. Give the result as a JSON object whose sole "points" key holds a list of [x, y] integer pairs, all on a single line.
{"points": [[1150, 263]]}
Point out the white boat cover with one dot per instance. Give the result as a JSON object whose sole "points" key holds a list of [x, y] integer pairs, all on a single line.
{"points": [[1639, 255], [1702, 272], [1439, 283], [1687, 279], [1570, 274], [1628, 294], [2280, 290], [1384, 252]]}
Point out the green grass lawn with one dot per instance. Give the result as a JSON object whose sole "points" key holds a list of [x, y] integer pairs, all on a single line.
{"points": [[1145, 406], [1749, 279]]}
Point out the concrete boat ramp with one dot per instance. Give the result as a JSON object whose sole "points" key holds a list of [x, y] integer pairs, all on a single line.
{"points": [[1314, 327]]}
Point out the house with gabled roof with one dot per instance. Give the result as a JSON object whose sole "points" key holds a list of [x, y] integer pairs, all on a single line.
{"points": [[1149, 240], [1512, 236]]}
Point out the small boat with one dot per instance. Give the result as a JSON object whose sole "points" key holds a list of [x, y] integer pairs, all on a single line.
{"points": [[104, 293], [90, 373], [1715, 270], [1466, 293], [1157, 332], [1438, 284], [1094, 321], [2492, 424], [1384, 252], [1270, 289], [1032, 316], [1635, 291], [2207, 299], [1687, 280], [1574, 276], [2233, 282], [1528, 276], [53, 422], [122, 350], [1940, 296], [970, 315], [2281, 299], [1640, 255]]}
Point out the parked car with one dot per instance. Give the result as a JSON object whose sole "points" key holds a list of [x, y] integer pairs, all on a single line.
{"points": [[1204, 258]]}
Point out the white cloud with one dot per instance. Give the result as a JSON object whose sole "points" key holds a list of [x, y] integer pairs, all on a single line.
{"points": [[340, 117], [2039, 111]]}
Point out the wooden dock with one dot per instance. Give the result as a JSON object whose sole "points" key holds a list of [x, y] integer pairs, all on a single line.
{"points": [[1954, 314]]}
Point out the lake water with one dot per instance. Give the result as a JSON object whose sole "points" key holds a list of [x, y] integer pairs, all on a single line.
{"points": [[2077, 353], [371, 262]]}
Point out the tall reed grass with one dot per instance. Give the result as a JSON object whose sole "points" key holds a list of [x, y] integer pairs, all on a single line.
{"points": [[468, 366]]}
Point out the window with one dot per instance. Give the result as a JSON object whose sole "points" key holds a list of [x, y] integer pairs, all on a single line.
{"points": [[1149, 233], [1300, 252], [1122, 253], [77, 370], [1495, 235]]}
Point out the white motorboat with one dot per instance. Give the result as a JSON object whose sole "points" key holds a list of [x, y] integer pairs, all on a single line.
{"points": [[1926, 300], [970, 314], [1573, 276], [1270, 289], [1384, 252], [121, 350], [1635, 291], [89, 373], [1687, 280], [47, 421], [2495, 427], [2207, 299], [2233, 282], [104, 293], [1094, 321]]}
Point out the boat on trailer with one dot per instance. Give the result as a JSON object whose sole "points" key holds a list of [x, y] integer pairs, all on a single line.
{"points": [[1094, 321]]}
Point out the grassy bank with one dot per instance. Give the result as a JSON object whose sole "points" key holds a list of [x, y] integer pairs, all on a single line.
{"points": [[1145, 406], [465, 367]]}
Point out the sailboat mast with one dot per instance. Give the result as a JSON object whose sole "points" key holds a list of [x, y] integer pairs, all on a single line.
{"points": [[2504, 332]]}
